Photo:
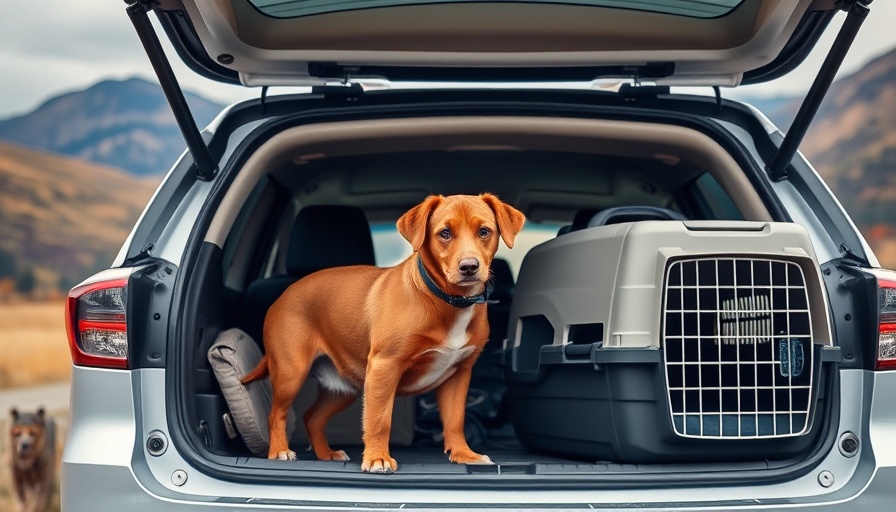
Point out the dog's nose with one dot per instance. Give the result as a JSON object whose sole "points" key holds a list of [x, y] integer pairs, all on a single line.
{"points": [[468, 266]]}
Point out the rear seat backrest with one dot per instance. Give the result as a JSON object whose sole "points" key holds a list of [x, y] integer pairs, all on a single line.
{"points": [[580, 221], [322, 236]]}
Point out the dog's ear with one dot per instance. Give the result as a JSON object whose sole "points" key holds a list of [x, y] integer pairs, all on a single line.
{"points": [[412, 225], [510, 220], [14, 413], [41, 414]]}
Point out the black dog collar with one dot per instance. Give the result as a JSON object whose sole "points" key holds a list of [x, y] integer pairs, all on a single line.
{"points": [[458, 301]]}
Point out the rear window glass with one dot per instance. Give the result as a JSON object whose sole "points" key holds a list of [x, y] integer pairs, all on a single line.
{"points": [[390, 248], [712, 201], [690, 8]]}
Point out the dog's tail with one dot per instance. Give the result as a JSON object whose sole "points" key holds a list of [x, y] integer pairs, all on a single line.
{"points": [[260, 371]]}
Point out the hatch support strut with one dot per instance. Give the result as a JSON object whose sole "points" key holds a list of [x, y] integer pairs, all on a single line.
{"points": [[205, 165], [856, 12]]}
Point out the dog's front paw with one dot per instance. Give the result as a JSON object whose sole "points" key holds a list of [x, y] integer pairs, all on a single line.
{"points": [[384, 464], [469, 457], [283, 455]]}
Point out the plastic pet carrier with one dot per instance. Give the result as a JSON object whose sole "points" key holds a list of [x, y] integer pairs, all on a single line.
{"points": [[664, 341]]}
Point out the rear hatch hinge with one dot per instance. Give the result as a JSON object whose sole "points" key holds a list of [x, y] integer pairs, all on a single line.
{"points": [[344, 90], [856, 12], [637, 90], [138, 12]]}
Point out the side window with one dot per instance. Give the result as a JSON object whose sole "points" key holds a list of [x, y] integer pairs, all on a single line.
{"points": [[704, 198], [252, 237], [389, 247]]}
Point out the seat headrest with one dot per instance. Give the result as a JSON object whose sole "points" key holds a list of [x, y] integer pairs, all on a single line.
{"points": [[580, 221], [328, 236], [502, 277], [621, 214]]}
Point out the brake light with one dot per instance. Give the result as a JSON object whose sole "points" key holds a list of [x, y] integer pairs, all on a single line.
{"points": [[886, 337], [96, 320]]}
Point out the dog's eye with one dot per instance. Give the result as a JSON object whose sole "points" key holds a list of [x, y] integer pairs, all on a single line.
{"points": [[445, 234], [484, 232]]}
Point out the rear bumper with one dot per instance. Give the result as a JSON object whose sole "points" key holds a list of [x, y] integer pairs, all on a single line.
{"points": [[102, 488], [105, 466]]}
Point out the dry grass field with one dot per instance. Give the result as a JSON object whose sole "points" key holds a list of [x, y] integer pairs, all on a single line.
{"points": [[34, 344]]}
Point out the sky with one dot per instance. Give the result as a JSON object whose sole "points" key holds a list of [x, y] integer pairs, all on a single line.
{"points": [[49, 47]]}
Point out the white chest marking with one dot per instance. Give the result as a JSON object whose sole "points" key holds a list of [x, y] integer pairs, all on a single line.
{"points": [[452, 351]]}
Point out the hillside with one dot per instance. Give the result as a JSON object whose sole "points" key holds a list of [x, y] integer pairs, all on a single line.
{"points": [[853, 140], [62, 218], [123, 123], [852, 144]]}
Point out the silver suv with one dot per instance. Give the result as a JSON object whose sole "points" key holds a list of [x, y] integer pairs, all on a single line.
{"points": [[689, 319]]}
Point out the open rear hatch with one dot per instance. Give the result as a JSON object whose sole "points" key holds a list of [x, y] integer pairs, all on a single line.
{"points": [[719, 42], [668, 42]]}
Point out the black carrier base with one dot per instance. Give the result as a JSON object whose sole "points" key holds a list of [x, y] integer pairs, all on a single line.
{"points": [[614, 407]]}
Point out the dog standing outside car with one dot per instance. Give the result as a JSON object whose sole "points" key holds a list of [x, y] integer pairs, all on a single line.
{"points": [[32, 461]]}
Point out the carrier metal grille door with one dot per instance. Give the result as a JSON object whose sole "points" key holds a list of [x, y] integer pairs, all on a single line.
{"points": [[737, 342]]}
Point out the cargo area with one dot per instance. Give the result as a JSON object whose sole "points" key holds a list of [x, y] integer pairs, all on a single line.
{"points": [[654, 316]]}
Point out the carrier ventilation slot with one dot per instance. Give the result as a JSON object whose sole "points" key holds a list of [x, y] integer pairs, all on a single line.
{"points": [[585, 334], [536, 331], [737, 342]]}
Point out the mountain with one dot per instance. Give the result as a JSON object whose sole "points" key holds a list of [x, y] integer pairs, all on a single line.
{"points": [[62, 219], [852, 144], [853, 139], [125, 123]]}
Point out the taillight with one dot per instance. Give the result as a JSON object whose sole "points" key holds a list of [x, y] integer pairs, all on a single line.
{"points": [[886, 332], [96, 320]]}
